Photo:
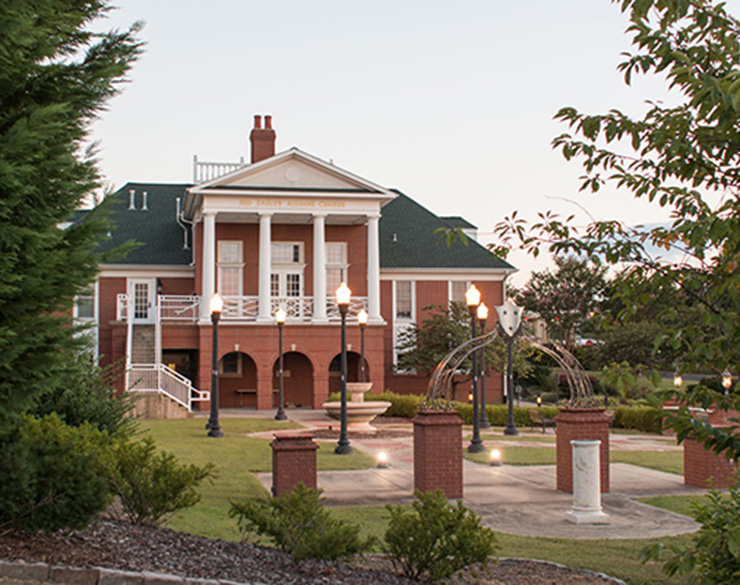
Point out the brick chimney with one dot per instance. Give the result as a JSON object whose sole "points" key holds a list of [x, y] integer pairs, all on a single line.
{"points": [[262, 139]]}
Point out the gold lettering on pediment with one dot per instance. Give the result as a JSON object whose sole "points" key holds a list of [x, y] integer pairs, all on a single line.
{"points": [[302, 203]]}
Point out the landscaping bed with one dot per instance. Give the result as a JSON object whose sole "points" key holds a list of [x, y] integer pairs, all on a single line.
{"points": [[122, 546]]}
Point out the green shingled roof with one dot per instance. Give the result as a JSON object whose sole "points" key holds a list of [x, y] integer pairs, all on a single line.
{"points": [[160, 236], [407, 240]]}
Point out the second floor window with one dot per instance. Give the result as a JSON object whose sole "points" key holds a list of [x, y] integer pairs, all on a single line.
{"points": [[404, 300], [230, 267], [336, 266], [286, 278]]}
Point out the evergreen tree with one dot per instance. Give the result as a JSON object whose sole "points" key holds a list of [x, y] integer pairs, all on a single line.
{"points": [[55, 77]]}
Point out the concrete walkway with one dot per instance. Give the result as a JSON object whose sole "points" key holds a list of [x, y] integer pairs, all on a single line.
{"points": [[512, 499]]}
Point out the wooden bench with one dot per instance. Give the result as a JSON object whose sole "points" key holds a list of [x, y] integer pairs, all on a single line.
{"points": [[537, 420]]}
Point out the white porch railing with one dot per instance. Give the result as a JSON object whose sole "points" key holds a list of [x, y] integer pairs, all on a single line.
{"points": [[186, 308], [178, 307], [205, 171], [163, 379]]}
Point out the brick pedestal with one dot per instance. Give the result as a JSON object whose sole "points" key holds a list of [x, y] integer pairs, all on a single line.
{"points": [[582, 424], [438, 452], [701, 466], [293, 460]]}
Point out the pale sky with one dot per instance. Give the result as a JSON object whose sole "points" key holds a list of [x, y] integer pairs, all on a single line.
{"points": [[450, 102]]}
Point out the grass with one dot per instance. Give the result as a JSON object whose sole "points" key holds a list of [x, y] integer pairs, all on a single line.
{"points": [[679, 504], [668, 461], [237, 457]]}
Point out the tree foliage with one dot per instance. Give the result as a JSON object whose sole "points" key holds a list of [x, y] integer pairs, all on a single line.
{"points": [[55, 77], [683, 158], [566, 298]]}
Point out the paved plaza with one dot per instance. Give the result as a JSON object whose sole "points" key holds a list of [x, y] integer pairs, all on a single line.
{"points": [[513, 499]]}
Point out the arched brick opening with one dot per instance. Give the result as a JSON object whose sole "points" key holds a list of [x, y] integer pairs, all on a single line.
{"points": [[297, 380], [353, 370], [237, 381]]}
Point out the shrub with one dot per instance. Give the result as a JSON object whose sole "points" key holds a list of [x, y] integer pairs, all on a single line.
{"points": [[434, 538], [86, 394], [713, 557], [298, 524], [51, 474], [498, 414], [640, 418], [152, 485]]}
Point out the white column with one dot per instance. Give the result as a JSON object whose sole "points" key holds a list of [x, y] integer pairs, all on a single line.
{"points": [[265, 267], [209, 264], [319, 268], [373, 270], [586, 485]]}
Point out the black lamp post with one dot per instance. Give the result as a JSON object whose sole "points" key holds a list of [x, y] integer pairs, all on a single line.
{"points": [[280, 316], [343, 295], [482, 316], [362, 321], [472, 298], [214, 428], [509, 320]]}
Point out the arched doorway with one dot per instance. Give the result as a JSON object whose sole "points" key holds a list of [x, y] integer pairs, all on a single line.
{"points": [[237, 381], [353, 370], [297, 380]]}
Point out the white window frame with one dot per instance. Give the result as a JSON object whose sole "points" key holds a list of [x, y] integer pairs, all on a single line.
{"points": [[239, 366], [93, 321], [283, 269], [237, 265], [400, 324], [449, 290], [343, 266]]}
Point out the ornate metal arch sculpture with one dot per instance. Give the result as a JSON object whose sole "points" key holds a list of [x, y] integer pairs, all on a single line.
{"points": [[439, 387]]}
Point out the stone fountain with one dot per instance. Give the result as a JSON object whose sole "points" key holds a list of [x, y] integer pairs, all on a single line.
{"points": [[359, 413]]}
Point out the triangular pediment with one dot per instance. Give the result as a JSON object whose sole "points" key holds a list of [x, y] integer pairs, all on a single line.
{"points": [[293, 170]]}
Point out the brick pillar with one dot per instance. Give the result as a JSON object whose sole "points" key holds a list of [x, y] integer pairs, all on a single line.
{"points": [[293, 460], [438, 452], [700, 466], [580, 424]]}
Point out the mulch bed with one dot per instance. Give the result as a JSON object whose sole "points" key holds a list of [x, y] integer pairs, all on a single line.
{"points": [[119, 545]]}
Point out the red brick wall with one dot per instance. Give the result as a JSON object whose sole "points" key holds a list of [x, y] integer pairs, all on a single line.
{"points": [[438, 452], [702, 466], [293, 461], [585, 424]]}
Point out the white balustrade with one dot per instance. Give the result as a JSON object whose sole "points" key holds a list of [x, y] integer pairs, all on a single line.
{"points": [[206, 171], [178, 307]]}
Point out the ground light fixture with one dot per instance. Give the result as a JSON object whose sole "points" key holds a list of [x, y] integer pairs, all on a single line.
{"points": [[343, 297], [495, 458], [216, 306], [482, 314], [362, 322], [280, 316], [677, 380], [472, 300], [538, 400], [727, 380], [382, 458]]}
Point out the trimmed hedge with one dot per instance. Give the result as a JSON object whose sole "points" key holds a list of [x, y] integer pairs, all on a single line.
{"points": [[498, 414], [402, 405], [639, 418]]}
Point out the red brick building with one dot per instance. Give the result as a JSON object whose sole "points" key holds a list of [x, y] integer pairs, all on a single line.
{"points": [[281, 231]]}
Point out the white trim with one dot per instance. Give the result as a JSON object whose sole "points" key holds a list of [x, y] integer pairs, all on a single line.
{"points": [[139, 271], [371, 187], [443, 274]]}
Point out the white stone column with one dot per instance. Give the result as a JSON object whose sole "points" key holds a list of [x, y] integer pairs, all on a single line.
{"points": [[209, 264], [373, 270], [319, 268], [586, 485], [265, 267]]}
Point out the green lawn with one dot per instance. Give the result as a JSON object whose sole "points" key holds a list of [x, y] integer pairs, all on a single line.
{"points": [[236, 456]]}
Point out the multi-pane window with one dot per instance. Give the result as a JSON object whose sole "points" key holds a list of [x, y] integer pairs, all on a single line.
{"points": [[286, 279], [336, 266], [457, 291], [230, 267], [85, 307], [404, 300]]}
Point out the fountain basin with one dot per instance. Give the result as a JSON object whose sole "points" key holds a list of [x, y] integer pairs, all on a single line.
{"points": [[359, 414]]}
